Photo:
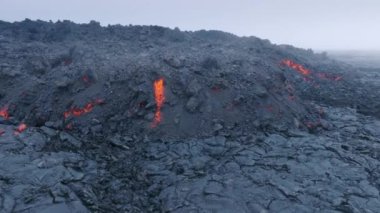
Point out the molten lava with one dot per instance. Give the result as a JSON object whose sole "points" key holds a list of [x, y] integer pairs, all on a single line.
{"points": [[4, 113], [77, 111], [159, 96], [22, 127], [297, 67], [307, 73]]}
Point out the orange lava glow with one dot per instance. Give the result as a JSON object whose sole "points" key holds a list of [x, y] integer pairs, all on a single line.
{"points": [[4, 113], [297, 67], [22, 127], [308, 73], [159, 96], [77, 111]]}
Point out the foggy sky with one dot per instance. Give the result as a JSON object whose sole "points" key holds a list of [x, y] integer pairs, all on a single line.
{"points": [[317, 24]]}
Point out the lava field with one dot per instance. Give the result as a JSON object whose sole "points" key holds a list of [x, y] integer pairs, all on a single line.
{"points": [[152, 119]]}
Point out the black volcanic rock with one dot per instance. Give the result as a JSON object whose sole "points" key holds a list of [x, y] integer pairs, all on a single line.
{"points": [[240, 132]]}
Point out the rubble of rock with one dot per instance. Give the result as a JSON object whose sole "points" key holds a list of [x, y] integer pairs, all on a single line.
{"points": [[240, 132]]}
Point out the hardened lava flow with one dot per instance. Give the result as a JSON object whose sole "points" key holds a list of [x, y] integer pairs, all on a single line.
{"points": [[201, 121]]}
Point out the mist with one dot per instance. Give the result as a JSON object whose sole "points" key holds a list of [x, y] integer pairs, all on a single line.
{"points": [[321, 25]]}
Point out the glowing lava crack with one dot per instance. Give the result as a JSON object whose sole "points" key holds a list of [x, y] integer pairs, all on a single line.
{"points": [[159, 96], [306, 72], [4, 113], [298, 67], [20, 128], [77, 111]]}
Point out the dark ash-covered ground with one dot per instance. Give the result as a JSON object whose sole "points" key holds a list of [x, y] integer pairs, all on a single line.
{"points": [[240, 130]]}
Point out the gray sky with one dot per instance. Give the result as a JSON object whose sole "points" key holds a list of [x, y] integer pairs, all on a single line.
{"points": [[317, 24]]}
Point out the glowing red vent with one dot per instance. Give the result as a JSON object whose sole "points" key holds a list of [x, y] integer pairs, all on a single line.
{"points": [[20, 128], [4, 113], [77, 111], [297, 67], [159, 96]]}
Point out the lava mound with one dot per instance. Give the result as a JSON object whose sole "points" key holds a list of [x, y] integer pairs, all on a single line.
{"points": [[93, 80]]}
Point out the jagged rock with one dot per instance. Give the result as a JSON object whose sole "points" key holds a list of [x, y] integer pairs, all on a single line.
{"points": [[243, 147], [193, 88], [48, 131], [65, 137], [174, 62], [215, 146], [149, 116], [192, 104], [53, 125], [350, 129], [245, 160], [64, 82], [37, 66], [260, 91], [117, 141], [373, 129], [96, 129], [213, 187], [218, 127]]}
